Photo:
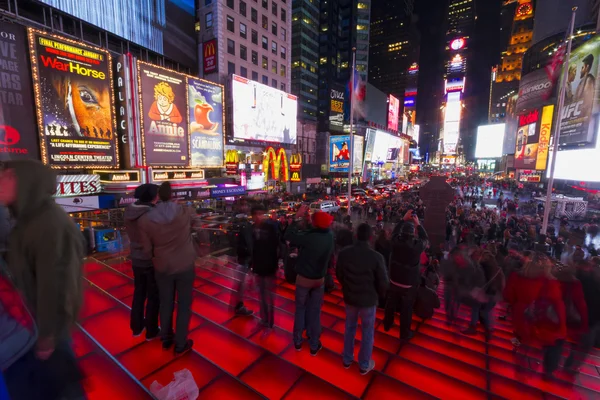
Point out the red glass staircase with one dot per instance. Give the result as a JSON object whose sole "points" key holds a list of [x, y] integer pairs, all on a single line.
{"points": [[233, 357]]}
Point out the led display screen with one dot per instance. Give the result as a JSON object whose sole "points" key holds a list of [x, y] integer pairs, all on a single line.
{"points": [[452, 122], [339, 153], [393, 111], [205, 109], [263, 113], [489, 141]]}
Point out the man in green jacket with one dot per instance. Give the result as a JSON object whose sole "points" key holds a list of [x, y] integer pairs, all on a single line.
{"points": [[315, 247], [45, 261]]}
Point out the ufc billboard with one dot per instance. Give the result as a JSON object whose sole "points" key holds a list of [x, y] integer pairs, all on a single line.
{"points": [[209, 55]]}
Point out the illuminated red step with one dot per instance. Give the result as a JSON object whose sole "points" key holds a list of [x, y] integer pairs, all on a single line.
{"points": [[146, 358], [383, 341], [228, 388], [108, 279], [94, 302], [334, 341], [111, 330], [81, 344], [123, 291], [311, 387], [383, 387], [210, 308], [271, 376], [275, 340]]}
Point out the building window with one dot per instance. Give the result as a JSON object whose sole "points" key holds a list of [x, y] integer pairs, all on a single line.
{"points": [[265, 43], [243, 52], [265, 79], [274, 8], [231, 47], [282, 87], [230, 24], [243, 8], [243, 30], [274, 28], [208, 21], [254, 15], [283, 52], [254, 57], [274, 66], [265, 62], [283, 34], [265, 22], [230, 68], [282, 70], [283, 15], [274, 83], [230, 4], [274, 48], [254, 37], [244, 72], [265, 4], [254, 76]]}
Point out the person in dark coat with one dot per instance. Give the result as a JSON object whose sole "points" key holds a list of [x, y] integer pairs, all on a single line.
{"points": [[362, 273], [145, 288], [404, 272]]}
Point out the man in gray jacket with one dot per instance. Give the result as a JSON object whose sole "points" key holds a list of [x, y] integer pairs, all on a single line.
{"points": [[145, 290]]}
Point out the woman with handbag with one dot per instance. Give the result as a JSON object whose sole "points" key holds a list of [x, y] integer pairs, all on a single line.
{"points": [[539, 317]]}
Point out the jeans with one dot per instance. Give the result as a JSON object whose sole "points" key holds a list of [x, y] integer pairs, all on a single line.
{"points": [[587, 341], [552, 356], [181, 283], [308, 313], [238, 296], [406, 297], [146, 292], [367, 322], [481, 311], [266, 285]]}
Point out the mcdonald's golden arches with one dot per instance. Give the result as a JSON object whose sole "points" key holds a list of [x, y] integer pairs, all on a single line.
{"points": [[276, 161]]}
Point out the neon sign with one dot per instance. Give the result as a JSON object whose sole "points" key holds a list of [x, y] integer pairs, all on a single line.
{"points": [[457, 44]]}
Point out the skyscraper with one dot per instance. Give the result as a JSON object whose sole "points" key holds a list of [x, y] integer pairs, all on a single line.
{"points": [[507, 75], [393, 43], [305, 56]]}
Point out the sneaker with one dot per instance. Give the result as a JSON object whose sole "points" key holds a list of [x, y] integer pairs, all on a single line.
{"points": [[348, 365], [150, 336], [243, 311], [138, 333], [187, 347], [166, 344], [298, 346], [317, 350], [370, 368]]}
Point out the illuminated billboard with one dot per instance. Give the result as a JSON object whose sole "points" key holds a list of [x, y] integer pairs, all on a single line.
{"points": [[452, 114], [533, 139], [386, 147], [206, 116], [490, 139], [458, 44], [339, 153], [263, 113], [393, 112], [358, 151], [575, 164]]}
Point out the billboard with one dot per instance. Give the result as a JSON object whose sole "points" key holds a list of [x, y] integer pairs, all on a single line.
{"points": [[534, 90], [209, 52], [163, 104], [263, 113], [393, 113], [75, 102], [336, 107], [527, 140], [452, 122], [489, 141], [358, 151], [339, 153], [18, 138], [206, 116], [511, 125], [581, 96], [544, 137], [575, 164]]}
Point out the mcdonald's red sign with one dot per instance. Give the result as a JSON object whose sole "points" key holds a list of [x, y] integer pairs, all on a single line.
{"points": [[209, 53]]}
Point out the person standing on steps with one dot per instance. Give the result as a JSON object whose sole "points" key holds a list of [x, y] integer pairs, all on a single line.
{"points": [[166, 233], [315, 249], [404, 272], [363, 276], [146, 291]]}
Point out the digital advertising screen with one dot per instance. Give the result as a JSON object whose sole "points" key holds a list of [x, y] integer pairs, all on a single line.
{"points": [[490, 139], [205, 109], [357, 150], [163, 105], [18, 133], [452, 122], [581, 96], [336, 107], [393, 113], [339, 153], [575, 164], [527, 140], [386, 147], [75, 102], [263, 113]]}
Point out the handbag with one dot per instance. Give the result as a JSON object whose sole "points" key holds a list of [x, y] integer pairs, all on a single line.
{"points": [[478, 294], [18, 331]]}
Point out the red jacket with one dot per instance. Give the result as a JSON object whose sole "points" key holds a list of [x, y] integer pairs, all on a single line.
{"points": [[520, 293], [574, 289]]}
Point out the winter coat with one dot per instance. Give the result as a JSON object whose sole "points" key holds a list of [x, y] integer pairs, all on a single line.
{"points": [[405, 256], [45, 252], [262, 244], [315, 250], [572, 293], [165, 232], [362, 274], [589, 276], [520, 293], [133, 213]]}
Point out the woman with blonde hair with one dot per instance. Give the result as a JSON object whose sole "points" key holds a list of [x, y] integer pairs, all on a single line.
{"points": [[539, 317]]}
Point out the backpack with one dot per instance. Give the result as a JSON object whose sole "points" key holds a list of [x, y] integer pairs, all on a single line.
{"points": [[541, 310], [18, 332]]}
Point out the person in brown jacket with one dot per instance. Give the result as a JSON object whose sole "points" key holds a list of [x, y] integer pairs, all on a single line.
{"points": [[166, 234]]}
